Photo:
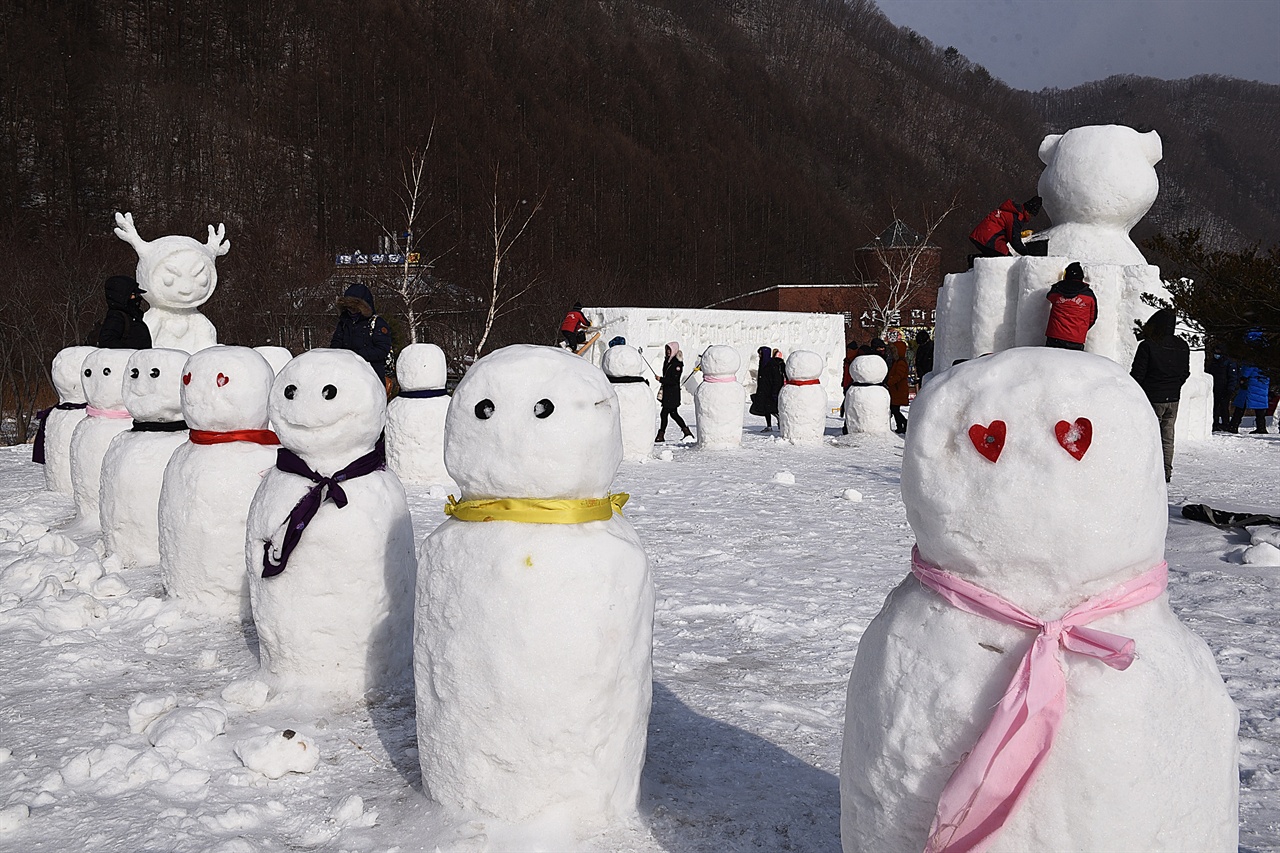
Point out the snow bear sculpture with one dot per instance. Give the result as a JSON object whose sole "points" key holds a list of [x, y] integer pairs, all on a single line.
{"points": [[1033, 480], [178, 275], [1099, 182]]}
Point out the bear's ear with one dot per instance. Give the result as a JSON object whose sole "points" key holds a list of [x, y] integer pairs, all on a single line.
{"points": [[1049, 147], [1151, 146]]}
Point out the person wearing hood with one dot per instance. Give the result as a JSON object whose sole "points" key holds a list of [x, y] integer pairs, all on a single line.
{"points": [[1074, 310], [770, 377], [361, 330], [123, 327], [898, 381], [672, 370], [1001, 229], [1161, 364]]}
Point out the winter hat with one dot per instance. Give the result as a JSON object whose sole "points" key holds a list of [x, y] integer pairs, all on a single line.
{"points": [[1033, 205], [1074, 272], [764, 352], [673, 350]]}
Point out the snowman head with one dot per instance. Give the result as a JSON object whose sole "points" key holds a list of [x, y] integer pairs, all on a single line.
{"points": [[1100, 175], [102, 376], [67, 366], [623, 361], [329, 407], [805, 364], [1036, 473], [533, 422], [277, 357], [153, 384], [721, 360], [226, 388], [176, 272], [868, 368], [421, 367]]}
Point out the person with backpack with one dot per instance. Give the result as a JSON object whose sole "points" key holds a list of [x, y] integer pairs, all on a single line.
{"points": [[1161, 364], [123, 327], [361, 330]]}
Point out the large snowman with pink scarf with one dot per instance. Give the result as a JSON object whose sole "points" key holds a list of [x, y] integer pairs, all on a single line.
{"points": [[1027, 686]]}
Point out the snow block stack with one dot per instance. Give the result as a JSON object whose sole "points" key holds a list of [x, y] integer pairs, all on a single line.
{"points": [[718, 402], [61, 422], [637, 404], [866, 403], [415, 418], [533, 639], [1036, 475], [104, 372], [802, 403]]}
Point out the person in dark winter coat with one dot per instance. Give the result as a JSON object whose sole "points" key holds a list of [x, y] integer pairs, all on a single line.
{"points": [[1226, 381], [771, 375], [672, 370], [1160, 366], [1255, 388], [924, 354], [1002, 228], [1074, 311], [123, 327], [362, 331]]}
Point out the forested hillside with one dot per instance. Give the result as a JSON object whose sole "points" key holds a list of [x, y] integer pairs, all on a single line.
{"points": [[682, 151]]}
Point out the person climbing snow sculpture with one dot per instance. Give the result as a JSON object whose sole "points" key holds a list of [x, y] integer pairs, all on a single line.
{"points": [[574, 328], [1001, 229], [1074, 311]]}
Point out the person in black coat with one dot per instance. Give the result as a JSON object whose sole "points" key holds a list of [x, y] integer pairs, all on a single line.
{"points": [[1226, 381], [771, 375], [123, 327], [672, 370], [924, 354], [1160, 366], [361, 330]]}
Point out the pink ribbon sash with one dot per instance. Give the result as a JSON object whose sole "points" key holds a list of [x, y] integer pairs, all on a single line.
{"points": [[706, 378], [117, 414], [991, 780]]}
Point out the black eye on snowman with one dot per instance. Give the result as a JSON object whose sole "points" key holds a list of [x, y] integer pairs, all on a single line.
{"points": [[106, 371], [290, 391], [484, 409], [155, 373], [88, 372], [133, 374], [329, 392], [543, 408]]}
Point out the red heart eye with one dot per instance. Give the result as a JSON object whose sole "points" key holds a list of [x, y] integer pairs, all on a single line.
{"points": [[222, 380], [1076, 437], [186, 379], [989, 440]]}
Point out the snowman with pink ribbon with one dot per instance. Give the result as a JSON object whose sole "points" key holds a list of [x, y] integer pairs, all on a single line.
{"points": [[1027, 686]]}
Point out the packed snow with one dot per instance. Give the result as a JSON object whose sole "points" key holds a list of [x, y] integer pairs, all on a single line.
{"points": [[128, 723]]}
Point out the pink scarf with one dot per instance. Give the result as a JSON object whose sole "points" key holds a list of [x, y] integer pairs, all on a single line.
{"points": [[118, 414], [706, 378], [987, 786]]}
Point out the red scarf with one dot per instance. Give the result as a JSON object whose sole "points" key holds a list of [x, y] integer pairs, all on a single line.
{"points": [[256, 436], [803, 381]]}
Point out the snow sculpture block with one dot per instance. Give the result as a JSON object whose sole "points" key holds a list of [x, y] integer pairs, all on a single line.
{"points": [[415, 418], [134, 465], [103, 371], [549, 623], [866, 403], [208, 486], [637, 403], [61, 423], [178, 275], [1037, 474], [717, 404], [802, 403], [338, 620], [1099, 181]]}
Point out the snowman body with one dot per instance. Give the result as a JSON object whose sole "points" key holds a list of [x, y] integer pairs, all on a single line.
{"points": [[103, 371], [61, 423], [866, 403], [1036, 474], [718, 402], [134, 465], [338, 621], [415, 418], [533, 640], [207, 489], [637, 405], [802, 402]]}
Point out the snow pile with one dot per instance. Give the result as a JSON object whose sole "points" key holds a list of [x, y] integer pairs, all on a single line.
{"points": [[415, 426], [802, 407], [274, 754]]}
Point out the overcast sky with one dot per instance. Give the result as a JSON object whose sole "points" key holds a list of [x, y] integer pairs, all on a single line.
{"points": [[1032, 44]]}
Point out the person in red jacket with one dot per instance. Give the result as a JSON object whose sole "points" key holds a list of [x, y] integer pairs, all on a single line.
{"points": [[1002, 228], [1074, 311], [574, 327]]}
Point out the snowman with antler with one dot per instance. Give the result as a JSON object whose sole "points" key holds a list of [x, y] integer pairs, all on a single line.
{"points": [[178, 275]]}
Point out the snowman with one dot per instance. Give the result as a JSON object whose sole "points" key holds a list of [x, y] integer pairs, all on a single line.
{"points": [[53, 440], [532, 645], [133, 467], [802, 403], [638, 407], [178, 275], [210, 480], [103, 373], [415, 417], [330, 543], [277, 357], [1028, 687], [866, 403], [717, 404]]}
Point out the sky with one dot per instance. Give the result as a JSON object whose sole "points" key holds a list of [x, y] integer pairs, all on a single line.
{"points": [[1034, 44]]}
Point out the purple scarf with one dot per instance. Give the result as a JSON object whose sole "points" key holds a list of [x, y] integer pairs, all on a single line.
{"points": [[325, 488], [37, 449]]}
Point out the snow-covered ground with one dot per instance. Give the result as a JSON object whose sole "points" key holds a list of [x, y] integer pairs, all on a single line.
{"points": [[767, 567]]}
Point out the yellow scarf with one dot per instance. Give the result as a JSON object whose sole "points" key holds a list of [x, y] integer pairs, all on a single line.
{"points": [[537, 510]]}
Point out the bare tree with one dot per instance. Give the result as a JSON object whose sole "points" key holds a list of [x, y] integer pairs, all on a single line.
{"points": [[504, 219], [900, 268]]}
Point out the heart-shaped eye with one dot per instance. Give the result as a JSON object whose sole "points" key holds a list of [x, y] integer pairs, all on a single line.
{"points": [[221, 380], [1076, 437], [186, 379], [989, 440]]}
